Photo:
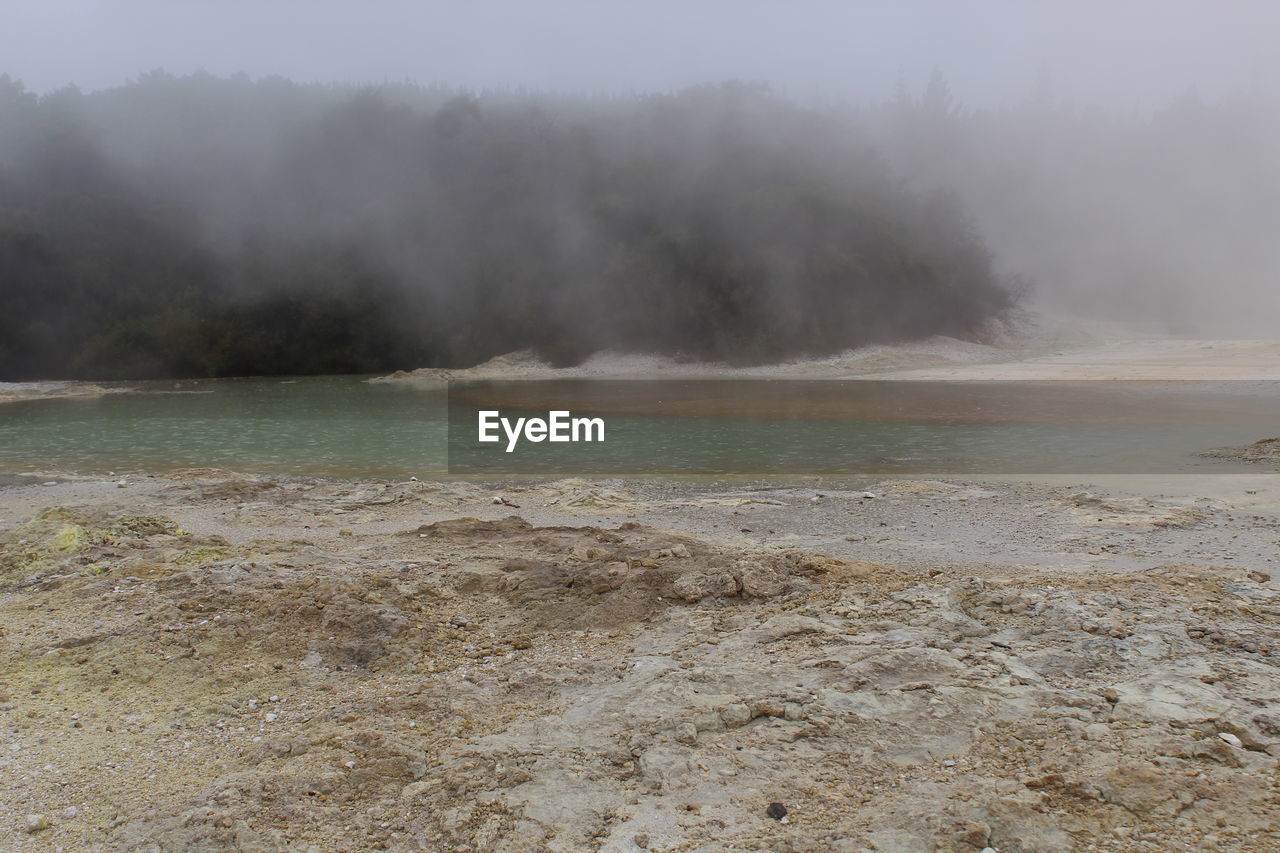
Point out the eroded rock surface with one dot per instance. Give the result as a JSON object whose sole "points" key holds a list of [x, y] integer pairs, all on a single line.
{"points": [[495, 684]]}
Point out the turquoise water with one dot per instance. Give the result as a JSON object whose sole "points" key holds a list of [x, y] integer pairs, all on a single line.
{"points": [[343, 426], [337, 426]]}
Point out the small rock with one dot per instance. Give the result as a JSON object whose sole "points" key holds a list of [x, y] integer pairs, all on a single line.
{"points": [[686, 733], [346, 532], [793, 711], [1269, 724], [737, 714], [35, 823], [417, 789], [777, 811], [271, 718], [1231, 739], [641, 840], [459, 621], [70, 812]]}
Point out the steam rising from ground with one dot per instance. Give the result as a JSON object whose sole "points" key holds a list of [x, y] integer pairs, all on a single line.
{"points": [[208, 226], [1166, 217]]}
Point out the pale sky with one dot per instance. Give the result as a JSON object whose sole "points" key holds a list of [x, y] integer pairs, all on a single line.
{"points": [[1125, 53]]}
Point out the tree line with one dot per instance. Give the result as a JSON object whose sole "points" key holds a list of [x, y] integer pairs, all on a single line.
{"points": [[203, 226]]}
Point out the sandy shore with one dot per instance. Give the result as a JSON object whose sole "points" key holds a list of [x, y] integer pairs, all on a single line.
{"points": [[1036, 357], [12, 392], [1159, 359], [215, 661]]}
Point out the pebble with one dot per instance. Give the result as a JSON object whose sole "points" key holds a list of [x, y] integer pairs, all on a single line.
{"points": [[271, 718], [459, 621], [686, 733], [737, 714], [70, 812], [777, 811], [1231, 739], [35, 823]]}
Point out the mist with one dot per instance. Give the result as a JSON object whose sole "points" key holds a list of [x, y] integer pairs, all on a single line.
{"points": [[212, 227], [746, 182], [1164, 220]]}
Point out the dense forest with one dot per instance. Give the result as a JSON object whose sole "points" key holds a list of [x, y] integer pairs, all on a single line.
{"points": [[214, 227], [204, 226]]}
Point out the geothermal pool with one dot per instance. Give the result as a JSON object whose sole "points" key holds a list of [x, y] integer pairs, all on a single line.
{"points": [[347, 427]]}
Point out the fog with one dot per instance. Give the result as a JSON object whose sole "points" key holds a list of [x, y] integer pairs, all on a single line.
{"points": [[1123, 54], [411, 183]]}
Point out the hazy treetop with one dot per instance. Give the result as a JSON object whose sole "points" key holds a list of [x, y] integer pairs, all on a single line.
{"points": [[1121, 53]]}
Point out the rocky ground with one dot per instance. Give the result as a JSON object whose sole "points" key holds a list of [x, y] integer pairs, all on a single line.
{"points": [[1266, 450], [211, 661]]}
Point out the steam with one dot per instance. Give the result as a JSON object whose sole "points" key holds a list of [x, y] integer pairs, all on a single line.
{"points": [[203, 225], [1165, 218]]}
